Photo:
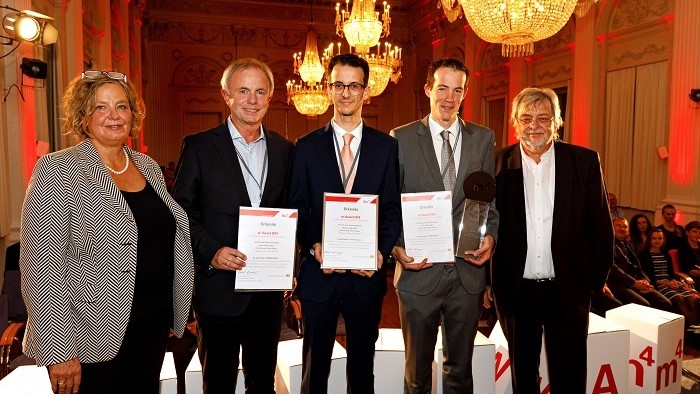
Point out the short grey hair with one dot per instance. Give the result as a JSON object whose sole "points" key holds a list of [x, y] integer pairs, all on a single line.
{"points": [[245, 64], [534, 97]]}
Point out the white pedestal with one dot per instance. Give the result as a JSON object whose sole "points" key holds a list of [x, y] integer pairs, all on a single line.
{"points": [[606, 359], [193, 376], [482, 365], [27, 379], [389, 361], [656, 348], [168, 375], [289, 360]]}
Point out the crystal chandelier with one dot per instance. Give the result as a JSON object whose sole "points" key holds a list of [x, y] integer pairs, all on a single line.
{"points": [[517, 24], [452, 9], [583, 6], [361, 25], [383, 66], [308, 96]]}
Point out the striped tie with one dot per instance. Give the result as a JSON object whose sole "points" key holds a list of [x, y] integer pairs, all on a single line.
{"points": [[447, 161]]}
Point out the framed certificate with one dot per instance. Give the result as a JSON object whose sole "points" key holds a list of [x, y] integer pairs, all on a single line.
{"points": [[427, 226], [350, 231], [267, 237]]}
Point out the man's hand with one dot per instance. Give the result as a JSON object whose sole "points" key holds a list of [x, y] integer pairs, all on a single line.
{"points": [[368, 273], [318, 255], [488, 297], [406, 261], [606, 290], [65, 376], [483, 254], [228, 259], [643, 286]]}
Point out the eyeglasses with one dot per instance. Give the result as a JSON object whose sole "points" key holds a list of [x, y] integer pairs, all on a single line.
{"points": [[92, 74], [354, 88], [542, 120]]}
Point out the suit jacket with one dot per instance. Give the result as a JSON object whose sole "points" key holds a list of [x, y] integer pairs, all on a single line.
{"points": [[211, 188], [420, 172], [78, 256], [315, 171], [582, 233], [626, 268]]}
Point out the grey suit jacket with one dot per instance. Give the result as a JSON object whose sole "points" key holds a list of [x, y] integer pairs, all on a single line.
{"points": [[78, 256], [420, 172]]}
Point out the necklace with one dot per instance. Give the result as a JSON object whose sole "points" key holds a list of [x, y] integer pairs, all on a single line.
{"points": [[123, 170]]}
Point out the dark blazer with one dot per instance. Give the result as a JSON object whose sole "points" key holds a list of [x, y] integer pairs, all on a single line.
{"points": [[315, 171], [626, 269], [419, 161], [582, 233], [211, 188]]}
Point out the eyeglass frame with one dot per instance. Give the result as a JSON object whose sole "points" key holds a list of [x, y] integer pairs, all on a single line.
{"points": [[529, 122], [336, 85], [116, 75]]}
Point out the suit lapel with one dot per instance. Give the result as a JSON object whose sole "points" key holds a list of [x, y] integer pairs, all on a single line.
{"points": [[515, 177], [368, 150], [97, 174], [465, 147], [223, 144], [427, 151], [327, 158], [275, 168], [559, 188]]}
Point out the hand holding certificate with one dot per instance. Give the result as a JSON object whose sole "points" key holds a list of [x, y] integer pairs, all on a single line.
{"points": [[427, 226], [350, 231], [266, 236]]}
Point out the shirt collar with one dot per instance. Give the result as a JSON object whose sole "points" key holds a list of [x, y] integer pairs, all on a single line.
{"points": [[545, 158], [436, 128], [236, 135], [340, 132]]}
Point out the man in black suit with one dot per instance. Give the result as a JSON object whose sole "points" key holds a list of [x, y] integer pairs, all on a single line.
{"points": [[238, 163], [555, 245], [319, 166]]}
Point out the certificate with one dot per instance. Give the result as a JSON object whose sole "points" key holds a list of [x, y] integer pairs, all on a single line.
{"points": [[266, 236], [427, 226], [350, 231]]}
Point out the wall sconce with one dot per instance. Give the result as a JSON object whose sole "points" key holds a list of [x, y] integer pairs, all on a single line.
{"points": [[28, 26], [695, 95]]}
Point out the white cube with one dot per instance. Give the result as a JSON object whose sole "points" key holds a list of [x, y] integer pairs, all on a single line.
{"points": [[389, 361], [607, 347], [483, 372], [289, 360], [27, 379], [168, 375], [656, 348], [193, 376]]}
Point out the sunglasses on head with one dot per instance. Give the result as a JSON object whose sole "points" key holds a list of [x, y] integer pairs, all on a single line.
{"points": [[91, 74]]}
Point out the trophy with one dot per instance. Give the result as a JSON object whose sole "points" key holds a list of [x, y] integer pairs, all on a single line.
{"points": [[479, 189]]}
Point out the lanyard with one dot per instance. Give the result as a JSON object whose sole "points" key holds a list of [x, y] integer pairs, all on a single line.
{"points": [[262, 173], [452, 160], [345, 177]]}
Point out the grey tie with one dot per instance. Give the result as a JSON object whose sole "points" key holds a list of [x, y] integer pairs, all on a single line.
{"points": [[447, 162]]}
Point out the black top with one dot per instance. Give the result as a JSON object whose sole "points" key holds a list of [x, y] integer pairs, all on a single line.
{"points": [[155, 267]]}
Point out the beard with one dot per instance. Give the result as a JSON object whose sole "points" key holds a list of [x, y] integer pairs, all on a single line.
{"points": [[536, 139]]}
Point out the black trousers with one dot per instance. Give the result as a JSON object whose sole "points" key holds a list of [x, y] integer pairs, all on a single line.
{"points": [[361, 328], [256, 331], [565, 332], [136, 368]]}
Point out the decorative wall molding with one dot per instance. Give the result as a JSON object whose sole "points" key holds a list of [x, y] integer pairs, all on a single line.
{"points": [[198, 101], [562, 38], [197, 71], [492, 57], [496, 87], [629, 13], [651, 49], [554, 75]]}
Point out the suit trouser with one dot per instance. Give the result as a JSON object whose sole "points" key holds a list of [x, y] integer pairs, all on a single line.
{"points": [[256, 331], [420, 317], [361, 329], [565, 333], [652, 299]]}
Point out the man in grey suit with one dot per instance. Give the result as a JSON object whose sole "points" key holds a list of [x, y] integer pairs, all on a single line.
{"points": [[437, 153]]}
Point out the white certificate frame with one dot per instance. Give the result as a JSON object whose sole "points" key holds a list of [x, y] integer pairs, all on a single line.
{"points": [[267, 236], [350, 231], [427, 226]]}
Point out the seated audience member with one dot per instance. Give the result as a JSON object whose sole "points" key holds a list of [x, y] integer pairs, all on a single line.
{"points": [[640, 228], [674, 234], [615, 211], [627, 279], [657, 265], [603, 300], [689, 251]]}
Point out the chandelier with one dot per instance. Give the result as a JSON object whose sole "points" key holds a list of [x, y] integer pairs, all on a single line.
{"points": [[361, 25], [362, 29], [517, 24], [583, 6], [308, 96], [452, 9]]}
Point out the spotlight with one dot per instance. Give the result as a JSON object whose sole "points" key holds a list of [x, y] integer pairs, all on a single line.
{"points": [[695, 95], [28, 26]]}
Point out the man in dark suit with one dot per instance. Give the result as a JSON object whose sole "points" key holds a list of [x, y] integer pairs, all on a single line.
{"points": [[448, 294], [366, 164], [555, 245], [238, 163]]}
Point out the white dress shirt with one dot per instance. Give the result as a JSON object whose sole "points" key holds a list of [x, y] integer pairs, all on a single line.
{"points": [[538, 181], [253, 156], [354, 144], [435, 130]]}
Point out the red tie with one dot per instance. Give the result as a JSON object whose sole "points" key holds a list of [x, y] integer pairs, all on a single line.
{"points": [[347, 158]]}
